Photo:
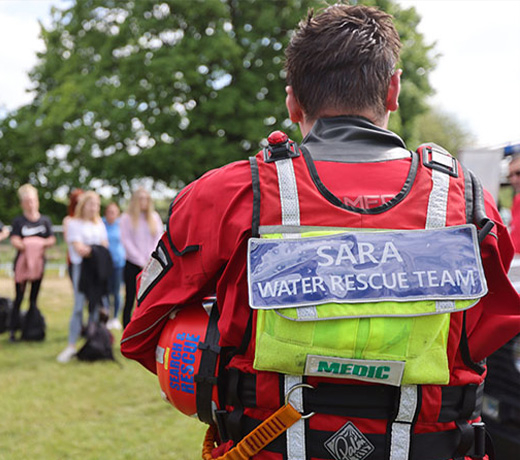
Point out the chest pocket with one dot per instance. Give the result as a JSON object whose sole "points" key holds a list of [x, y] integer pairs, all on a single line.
{"points": [[368, 305]]}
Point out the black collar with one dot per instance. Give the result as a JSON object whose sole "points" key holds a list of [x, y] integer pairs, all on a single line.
{"points": [[351, 139]]}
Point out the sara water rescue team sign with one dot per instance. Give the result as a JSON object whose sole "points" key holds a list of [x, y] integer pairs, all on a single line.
{"points": [[366, 266]]}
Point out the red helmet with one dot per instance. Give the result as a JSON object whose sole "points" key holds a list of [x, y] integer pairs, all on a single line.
{"points": [[178, 357]]}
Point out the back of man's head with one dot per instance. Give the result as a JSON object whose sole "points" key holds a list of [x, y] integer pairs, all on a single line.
{"points": [[342, 59]]}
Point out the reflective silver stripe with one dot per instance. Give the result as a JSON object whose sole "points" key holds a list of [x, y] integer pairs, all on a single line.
{"points": [[153, 270], [288, 192], [296, 432], [436, 218], [162, 255], [291, 216], [291, 213], [402, 427], [438, 201]]}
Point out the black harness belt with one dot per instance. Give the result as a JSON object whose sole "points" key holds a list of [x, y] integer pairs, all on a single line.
{"points": [[367, 401], [426, 446]]}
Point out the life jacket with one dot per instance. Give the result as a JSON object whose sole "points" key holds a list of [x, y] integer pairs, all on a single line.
{"points": [[290, 202]]}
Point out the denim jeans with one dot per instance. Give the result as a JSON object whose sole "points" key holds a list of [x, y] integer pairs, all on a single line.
{"points": [[114, 288]]}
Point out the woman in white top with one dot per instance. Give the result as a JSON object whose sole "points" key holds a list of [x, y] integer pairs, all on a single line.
{"points": [[141, 230], [84, 230]]}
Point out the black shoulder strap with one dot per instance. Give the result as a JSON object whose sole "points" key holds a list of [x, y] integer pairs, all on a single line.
{"points": [[464, 350], [206, 378], [468, 194], [481, 220], [255, 181]]}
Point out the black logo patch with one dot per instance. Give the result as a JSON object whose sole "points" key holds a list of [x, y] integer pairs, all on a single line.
{"points": [[349, 443]]}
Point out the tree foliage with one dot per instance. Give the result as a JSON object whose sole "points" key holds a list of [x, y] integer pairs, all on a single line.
{"points": [[167, 89], [443, 129]]}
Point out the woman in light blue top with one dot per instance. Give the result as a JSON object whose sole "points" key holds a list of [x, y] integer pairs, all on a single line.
{"points": [[117, 251]]}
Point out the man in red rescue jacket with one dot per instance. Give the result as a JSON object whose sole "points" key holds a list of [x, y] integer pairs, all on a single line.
{"points": [[350, 174]]}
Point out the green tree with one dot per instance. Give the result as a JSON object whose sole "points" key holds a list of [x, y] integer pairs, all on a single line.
{"points": [[165, 90], [23, 158], [443, 129], [127, 89]]}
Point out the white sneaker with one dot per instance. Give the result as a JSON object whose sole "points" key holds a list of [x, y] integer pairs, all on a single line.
{"points": [[114, 324], [66, 355]]}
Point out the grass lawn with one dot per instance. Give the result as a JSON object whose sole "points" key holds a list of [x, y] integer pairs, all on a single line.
{"points": [[86, 411]]}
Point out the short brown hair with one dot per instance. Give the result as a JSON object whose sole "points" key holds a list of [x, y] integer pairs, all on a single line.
{"points": [[343, 58]]}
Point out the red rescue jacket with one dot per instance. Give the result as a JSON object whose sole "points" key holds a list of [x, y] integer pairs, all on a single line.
{"points": [[206, 253]]}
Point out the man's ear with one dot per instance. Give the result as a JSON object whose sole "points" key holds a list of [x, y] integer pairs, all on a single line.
{"points": [[293, 106], [392, 97]]}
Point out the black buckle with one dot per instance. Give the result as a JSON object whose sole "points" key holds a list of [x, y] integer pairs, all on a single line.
{"points": [[479, 448], [435, 157], [220, 419], [485, 227], [283, 151], [472, 440]]}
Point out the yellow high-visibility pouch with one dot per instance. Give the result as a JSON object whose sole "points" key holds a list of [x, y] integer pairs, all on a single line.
{"points": [[365, 305]]}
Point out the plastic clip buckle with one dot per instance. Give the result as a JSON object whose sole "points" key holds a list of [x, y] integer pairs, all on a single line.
{"points": [[282, 151], [441, 161]]}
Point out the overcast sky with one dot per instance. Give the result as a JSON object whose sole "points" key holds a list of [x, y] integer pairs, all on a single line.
{"points": [[477, 78]]}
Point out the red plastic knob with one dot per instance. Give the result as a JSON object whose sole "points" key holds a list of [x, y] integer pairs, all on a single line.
{"points": [[277, 137]]}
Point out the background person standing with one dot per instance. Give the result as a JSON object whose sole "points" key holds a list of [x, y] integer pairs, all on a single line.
{"points": [[117, 251], [141, 229], [71, 207], [84, 230], [31, 235]]}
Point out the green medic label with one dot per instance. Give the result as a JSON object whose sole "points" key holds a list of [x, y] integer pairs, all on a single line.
{"points": [[383, 372]]}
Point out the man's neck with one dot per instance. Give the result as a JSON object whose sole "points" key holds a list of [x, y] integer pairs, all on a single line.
{"points": [[307, 124]]}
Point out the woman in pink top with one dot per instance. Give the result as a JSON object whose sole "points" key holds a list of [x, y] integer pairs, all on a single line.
{"points": [[141, 229]]}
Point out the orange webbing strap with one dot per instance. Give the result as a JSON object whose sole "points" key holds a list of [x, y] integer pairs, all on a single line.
{"points": [[255, 441]]}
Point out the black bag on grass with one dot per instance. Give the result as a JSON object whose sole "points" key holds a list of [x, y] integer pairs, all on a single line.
{"points": [[33, 325], [6, 305], [98, 345]]}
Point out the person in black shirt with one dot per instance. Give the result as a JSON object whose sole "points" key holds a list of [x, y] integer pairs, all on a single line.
{"points": [[31, 235]]}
